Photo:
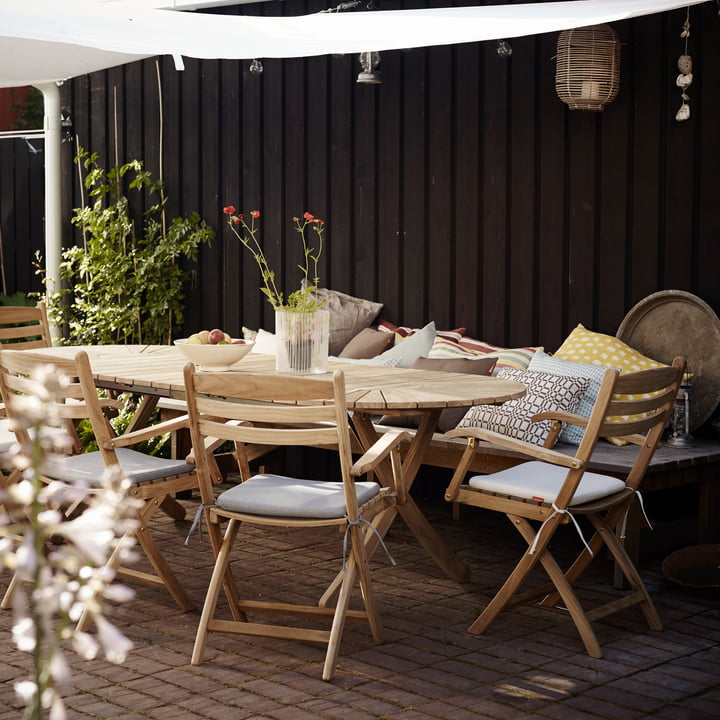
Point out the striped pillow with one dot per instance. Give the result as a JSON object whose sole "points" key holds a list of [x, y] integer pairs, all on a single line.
{"points": [[403, 332], [513, 358]]}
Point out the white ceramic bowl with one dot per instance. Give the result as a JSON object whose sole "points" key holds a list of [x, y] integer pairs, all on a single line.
{"points": [[214, 357]]}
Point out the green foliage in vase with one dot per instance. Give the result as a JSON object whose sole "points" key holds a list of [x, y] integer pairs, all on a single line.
{"points": [[123, 286]]}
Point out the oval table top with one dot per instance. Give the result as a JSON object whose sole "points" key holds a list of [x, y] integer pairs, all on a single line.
{"points": [[158, 370]]}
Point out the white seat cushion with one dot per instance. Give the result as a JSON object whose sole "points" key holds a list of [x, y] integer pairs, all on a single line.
{"points": [[279, 496], [138, 467], [541, 482]]}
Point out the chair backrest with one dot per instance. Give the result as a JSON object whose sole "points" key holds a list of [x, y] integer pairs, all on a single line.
{"points": [[23, 328], [633, 407], [247, 408], [17, 368]]}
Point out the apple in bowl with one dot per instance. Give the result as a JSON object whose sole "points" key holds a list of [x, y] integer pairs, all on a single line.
{"points": [[219, 355]]}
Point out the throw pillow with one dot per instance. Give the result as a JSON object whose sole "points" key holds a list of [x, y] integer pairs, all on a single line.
{"points": [[264, 343], [416, 345], [348, 316], [544, 393], [585, 346], [516, 358], [541, 362], [403, 332], [481, 346], [449, 417], [379, 361], [367, 344]]}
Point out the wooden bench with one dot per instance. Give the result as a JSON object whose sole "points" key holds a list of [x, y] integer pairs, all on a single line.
{"points": [[670, 467]]}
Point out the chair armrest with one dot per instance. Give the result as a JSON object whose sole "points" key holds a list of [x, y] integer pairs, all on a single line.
{"points": [[136, 436], [379, 451], [534, 451], [562, 417]]}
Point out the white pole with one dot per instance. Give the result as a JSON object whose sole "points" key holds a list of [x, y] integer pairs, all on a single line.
{"points": [[53, 186]]}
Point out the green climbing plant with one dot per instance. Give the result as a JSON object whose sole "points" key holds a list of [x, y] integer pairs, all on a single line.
{"points": [[124, 286]]}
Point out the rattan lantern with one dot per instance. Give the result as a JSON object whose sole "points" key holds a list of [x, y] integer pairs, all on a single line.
{"points": [[587, 75]]}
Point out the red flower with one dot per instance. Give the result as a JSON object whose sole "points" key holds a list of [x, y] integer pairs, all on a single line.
{"points": [[236, 220], [309, 216], [318, 221], [229, 210], [255, 213]]}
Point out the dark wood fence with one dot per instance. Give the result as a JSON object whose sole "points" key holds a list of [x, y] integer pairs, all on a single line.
{"points": [[22, 208], [460, 190]]}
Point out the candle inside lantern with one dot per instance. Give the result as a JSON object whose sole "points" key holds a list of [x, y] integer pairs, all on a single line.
{"points": [[590, 90]]}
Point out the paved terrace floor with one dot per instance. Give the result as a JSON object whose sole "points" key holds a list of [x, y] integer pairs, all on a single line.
{"points": [[529, 664]]}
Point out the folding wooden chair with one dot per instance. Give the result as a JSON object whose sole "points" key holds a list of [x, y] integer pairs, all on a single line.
{"points": [[24, 328], [553, 488], [154, 479], [281, 410]]}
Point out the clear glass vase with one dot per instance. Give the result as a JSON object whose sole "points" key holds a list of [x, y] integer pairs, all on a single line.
{"points": [[301, 341]]}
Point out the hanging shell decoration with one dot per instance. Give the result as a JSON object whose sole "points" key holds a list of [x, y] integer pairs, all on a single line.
{"points": [[685, 78]]}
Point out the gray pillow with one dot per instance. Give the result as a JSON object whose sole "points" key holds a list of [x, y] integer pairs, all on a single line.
{"points": [[348, 316], [416, 345]]}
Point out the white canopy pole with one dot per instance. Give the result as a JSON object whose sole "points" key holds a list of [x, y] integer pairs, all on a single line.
{"points": [[53, 186]]}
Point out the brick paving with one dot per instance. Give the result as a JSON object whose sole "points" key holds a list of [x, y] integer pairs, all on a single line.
{"points": [[529, 664]]}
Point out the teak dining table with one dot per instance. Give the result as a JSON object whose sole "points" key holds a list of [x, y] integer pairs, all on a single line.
{"points": [[156, 371]]}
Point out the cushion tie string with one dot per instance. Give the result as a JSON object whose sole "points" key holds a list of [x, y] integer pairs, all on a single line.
{"points": [[627, 510], [361, 519], [558, 511], [197, 521]]}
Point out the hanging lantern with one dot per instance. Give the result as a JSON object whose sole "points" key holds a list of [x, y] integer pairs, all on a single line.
{"points": [[587, 75]]}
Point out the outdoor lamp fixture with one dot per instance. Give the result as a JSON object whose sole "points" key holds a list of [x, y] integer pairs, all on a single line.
{"points": [[680, 416], [504, 49], [256, 67], [587, 74], [369, 62]]}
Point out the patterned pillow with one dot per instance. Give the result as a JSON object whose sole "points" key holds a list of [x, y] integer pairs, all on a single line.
{"points": [[542, 362], [515, 358], [403, 332], [544, 393], [585, 346]]}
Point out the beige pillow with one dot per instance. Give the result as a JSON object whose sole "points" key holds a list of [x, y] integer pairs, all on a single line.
{"points": [[449, 417], [367, 344]]}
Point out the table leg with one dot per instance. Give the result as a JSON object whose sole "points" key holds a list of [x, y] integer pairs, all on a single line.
{"points": [[418, 524]]}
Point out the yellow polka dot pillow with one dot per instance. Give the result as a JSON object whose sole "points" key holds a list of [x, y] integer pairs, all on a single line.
{"points": [[585, 346]]}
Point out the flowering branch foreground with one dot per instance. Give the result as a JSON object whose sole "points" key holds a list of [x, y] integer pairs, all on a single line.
{"points": [[303, 299], [57, 538]]}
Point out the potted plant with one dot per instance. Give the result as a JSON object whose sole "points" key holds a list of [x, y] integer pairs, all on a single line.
{"points": [[301, 323]]}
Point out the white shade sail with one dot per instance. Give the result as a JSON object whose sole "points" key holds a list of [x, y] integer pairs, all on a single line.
{"points": [[43, 40]]}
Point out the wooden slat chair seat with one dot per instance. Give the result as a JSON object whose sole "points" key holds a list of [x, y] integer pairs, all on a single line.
{"points": [[305, 411], [154, 480], [552, 488]]}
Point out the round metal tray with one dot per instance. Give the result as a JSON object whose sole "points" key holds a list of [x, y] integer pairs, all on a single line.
{"points": [[674, 322]]}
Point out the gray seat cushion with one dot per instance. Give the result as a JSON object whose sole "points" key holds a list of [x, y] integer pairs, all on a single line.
{"points": [[138, 467], [542, 482], [279, 496]]}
